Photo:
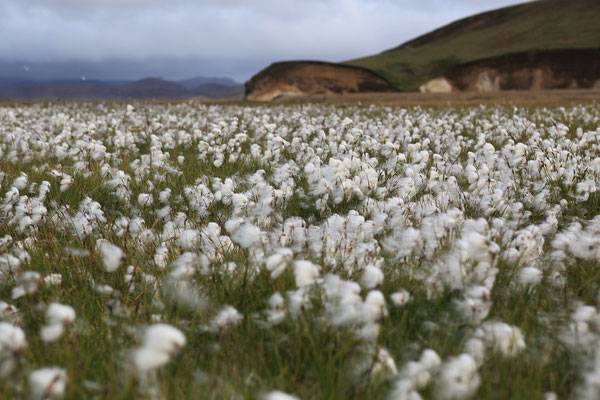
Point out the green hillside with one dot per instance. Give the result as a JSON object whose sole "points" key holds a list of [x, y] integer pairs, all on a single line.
{"points": [[538, 25]]}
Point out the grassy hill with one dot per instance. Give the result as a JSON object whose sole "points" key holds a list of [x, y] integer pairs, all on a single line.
{"points": [[529, 27]]}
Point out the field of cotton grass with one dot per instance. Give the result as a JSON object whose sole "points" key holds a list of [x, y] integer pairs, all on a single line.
{"points": [[299, 252]]}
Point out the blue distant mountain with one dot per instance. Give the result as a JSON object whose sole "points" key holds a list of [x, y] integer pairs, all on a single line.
{"points": [[193, 83], [22, 89]]}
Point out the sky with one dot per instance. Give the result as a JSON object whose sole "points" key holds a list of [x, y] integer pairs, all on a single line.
{"points": [[177, 39]]}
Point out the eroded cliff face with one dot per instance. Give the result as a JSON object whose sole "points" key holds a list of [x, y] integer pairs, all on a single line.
{"points": [[552, 69], [437, 85], [305, 78]]}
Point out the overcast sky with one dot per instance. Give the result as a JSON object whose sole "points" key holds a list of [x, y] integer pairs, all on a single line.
{"points": [[183, 38]]}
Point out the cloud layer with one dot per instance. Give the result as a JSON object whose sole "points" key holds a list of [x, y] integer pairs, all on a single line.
{"points": [[219, 31]]}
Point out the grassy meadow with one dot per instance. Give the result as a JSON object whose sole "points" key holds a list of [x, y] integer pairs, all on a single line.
{"points": [[308, 251]]}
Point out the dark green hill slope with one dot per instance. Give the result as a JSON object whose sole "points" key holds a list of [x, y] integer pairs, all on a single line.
{"points": [[530, 27]]}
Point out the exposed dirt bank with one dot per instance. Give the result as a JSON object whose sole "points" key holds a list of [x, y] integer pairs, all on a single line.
{"points": [[307, 78], [551, 69]]}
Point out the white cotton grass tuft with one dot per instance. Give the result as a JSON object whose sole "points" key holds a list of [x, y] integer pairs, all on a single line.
{"points": [[477, 348], [476, 304], [415, 375], [58, 316], [12, 342], [306, 273], [276, 312], [371, 312], [8, 262], [187, 264], [112, 256], [161, 342], [383, 364], [66, 182], [28, 283], [47, 383], [103, 289], [164, 196], [458, 378], [430, 359], [161, 257], [278, 262], [9, 312], [550, 396], [278, 395], [506, 339], [371, 277], [244, 233], [145, 199], [530, 276], [374, 308], [53, 279], [228, 317], [400, 298]]}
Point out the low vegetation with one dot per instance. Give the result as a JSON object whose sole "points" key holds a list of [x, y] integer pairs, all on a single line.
{"points": [[303, 251], [525, 28]]}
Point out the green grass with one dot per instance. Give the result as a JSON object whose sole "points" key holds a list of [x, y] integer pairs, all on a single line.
{"points": [[538, 25], [303, 355]]}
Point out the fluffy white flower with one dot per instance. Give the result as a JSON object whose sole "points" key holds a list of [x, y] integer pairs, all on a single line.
{"points": [[404, 390], [66, 182], [502, 337], [28, 283], [53, 279], [371, 277], [383, 363], [430, 360], [247, 236], [145, 199], [374, 308], [278, 395], [415, 375], [476, 304], [400, 298], [530, 276], [278, 262], [226, 318], [47, 383], [306, 273], [185, 266], [276, 312], [12, 341], [57, 317], [458, 378], [161, 343], [9, 312], [163, 196], [188, 238], [103, 289], [476, 347], [112, 256], [161, 256]]}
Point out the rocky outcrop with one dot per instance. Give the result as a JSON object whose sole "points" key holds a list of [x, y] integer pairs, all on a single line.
{"points": [[550, 69], [305, 78], [437, 85]]}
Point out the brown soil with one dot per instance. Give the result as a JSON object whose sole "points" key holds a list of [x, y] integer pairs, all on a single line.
{"points": [[508, 97], [309, 78]]}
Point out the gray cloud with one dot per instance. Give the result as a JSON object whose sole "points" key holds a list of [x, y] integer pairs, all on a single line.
{"points": [[219, 31]]}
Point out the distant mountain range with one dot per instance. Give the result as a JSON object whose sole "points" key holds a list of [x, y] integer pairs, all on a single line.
{"points": [[20, 89]]}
